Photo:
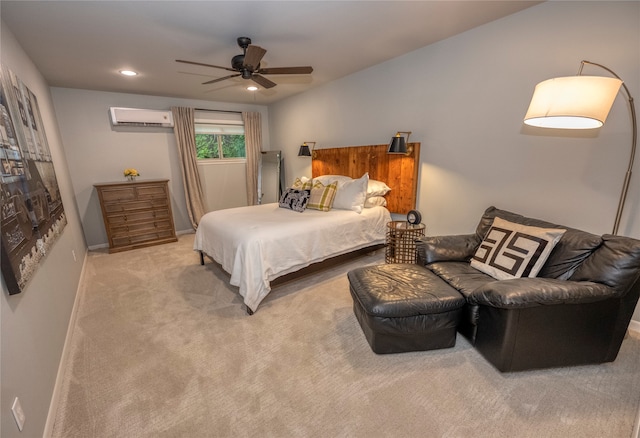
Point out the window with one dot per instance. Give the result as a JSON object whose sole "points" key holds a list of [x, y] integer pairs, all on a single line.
{"points": [[219, 136]]}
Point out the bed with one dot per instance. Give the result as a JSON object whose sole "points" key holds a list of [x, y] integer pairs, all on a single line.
{"points": [[257, 244]]}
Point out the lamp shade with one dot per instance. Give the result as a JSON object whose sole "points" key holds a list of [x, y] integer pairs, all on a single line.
{"points": [[304, 150], [397, 145], [574, 102]]}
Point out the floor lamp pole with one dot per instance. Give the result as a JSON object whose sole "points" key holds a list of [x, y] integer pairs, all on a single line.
{"points": [[634, 141]]}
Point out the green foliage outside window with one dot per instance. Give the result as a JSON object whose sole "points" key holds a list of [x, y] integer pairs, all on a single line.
{"points": [[220, 146]]}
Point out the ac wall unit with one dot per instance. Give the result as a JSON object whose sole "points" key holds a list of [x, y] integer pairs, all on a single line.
{"points": [[140, 117]]}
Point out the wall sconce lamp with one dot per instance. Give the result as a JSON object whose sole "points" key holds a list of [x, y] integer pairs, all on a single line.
{"points": [[305, 151], [582, 102], [400, 145]]}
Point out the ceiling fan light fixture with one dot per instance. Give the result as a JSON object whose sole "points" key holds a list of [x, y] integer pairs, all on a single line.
{"points": [[252, 88], [128, 73], [247, 65]]}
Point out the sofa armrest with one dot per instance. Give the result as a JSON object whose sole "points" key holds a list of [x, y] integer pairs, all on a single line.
{"points": [[532, 292], [459, 248]]}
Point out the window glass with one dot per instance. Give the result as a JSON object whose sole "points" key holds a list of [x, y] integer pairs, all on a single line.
{"points": [[215, 140]]}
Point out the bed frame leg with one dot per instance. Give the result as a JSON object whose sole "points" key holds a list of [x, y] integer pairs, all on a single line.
{"points": [[201, 258], [249, 311]]}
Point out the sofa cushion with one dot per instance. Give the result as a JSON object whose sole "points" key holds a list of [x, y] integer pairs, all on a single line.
{"points": [[616, 263], [512, 250], [571, 250], [461, 276]]}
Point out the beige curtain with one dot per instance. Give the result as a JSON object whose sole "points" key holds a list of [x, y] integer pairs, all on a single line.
{"points": [[253, 146], [185, 131]]}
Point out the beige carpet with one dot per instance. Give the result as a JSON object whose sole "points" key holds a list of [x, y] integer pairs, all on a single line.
{"points": [[164, 348]]}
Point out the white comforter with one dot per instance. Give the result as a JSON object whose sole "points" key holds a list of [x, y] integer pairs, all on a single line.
{"points": [[259, 243]]}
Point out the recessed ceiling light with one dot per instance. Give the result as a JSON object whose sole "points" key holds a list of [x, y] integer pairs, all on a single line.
{"points": [[128, 73], [252, 88]]}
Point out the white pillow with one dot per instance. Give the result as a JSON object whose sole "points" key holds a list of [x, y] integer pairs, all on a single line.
{"points": [[375, 201], [377, 188], [352, 194]]}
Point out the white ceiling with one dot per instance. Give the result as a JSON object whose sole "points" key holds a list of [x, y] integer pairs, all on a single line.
{"points": [[83, 44]]}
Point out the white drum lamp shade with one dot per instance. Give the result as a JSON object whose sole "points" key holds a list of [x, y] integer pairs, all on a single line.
{"points": [[574, 102]]}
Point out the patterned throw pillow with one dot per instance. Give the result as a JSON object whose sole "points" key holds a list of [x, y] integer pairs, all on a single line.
{"points": [[299, 184], [295, 200], [322, 196], [512, 250]]}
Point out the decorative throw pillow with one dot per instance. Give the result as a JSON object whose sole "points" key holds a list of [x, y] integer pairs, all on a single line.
{"points": [[322, 196], [511, 250], [351, 194], [375, 201], [328, 179], [303, 183], [294, 199]]}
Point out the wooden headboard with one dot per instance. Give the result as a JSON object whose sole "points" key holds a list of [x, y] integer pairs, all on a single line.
{"points": [[398, 171]]}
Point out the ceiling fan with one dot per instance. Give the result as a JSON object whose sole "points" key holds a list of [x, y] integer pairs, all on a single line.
{"points": [[247, 65]]}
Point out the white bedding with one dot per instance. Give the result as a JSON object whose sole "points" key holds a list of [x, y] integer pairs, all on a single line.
{"points": [[259, 243]]}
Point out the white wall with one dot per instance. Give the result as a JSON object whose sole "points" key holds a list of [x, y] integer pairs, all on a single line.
{"points": [[464, 99], [97, 152], [34, 323]]}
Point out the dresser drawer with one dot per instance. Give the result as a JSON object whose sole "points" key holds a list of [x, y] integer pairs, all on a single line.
{"points": [[151, 192], [118, 194], [142, 239], [123, 207], [138, 216], [141, 227]]}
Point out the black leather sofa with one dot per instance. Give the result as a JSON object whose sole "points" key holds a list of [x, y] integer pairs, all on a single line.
{"points": [[576, 311]]}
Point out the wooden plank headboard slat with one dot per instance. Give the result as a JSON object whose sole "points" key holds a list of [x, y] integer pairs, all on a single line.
{"points": [[400, 172]]}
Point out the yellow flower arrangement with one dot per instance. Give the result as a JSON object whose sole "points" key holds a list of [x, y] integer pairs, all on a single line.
{"points": [[131, 172]]}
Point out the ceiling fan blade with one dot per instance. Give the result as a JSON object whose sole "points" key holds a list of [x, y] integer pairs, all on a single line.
{"points": [[253, 56], [261, 80], [286, 70], [204, 65], [213, 81]]}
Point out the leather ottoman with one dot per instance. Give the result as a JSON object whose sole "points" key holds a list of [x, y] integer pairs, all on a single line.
{"points": [[404, 307]]}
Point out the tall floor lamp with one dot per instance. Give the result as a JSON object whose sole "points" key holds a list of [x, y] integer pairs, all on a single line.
{"points": [[582, 102]]}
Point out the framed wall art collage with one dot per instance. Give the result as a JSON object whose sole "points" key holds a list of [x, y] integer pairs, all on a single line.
{"points": [[32, 215]]}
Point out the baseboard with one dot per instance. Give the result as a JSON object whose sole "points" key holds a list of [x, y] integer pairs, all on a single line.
{"points": [[189, 231], [634, 326], [98, 246], [55, 397]]}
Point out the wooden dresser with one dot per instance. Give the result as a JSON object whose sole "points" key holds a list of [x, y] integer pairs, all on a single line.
{"points": [[136, 213]]}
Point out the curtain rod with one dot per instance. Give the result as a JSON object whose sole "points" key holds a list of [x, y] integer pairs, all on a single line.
{"points": [[218, 111]]}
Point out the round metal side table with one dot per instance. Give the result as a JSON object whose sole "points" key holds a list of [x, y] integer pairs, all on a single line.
{"points": [[401, 245]]}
